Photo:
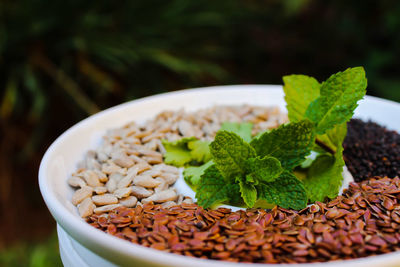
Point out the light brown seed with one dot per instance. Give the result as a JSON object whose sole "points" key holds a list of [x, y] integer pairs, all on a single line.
{"points": [[106, 208], [129, 201], [76, 181], [141, 192], [111, 185], [123, 192], [86, 207], [160, 197], [146, 181], [81, 194], [104, 199], [99, 190], [91, 178]]}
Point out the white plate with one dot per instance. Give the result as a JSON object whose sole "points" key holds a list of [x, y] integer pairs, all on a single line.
{"points": [[62, 156]]}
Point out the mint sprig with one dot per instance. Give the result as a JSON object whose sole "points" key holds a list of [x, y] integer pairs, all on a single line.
{"points": [[190, 152], [338, 99], [254, 169], [330, 111], [245, 171]]}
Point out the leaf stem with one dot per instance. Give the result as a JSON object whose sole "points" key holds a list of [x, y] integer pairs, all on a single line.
{"points": [[324, 146]]}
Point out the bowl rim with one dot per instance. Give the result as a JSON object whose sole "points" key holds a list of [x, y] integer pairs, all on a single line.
{"points": [[97, 240]]}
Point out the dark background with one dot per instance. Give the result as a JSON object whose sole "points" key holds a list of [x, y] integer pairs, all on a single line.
{"points": [[61, 61]]}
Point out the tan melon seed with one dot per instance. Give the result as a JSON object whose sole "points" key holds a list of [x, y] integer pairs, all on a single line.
{"points": [[81, 194], [86, 207], [105, 199]]}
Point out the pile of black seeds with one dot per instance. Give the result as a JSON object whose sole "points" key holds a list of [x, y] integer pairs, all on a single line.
{"points": [[371, 150]]}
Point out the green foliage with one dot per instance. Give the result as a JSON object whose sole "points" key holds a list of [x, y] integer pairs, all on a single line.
{"points": [[338, 99], [264, 169], [329, 106], [334, 137], [213, 188], [324, 177], [178, 153], [238, 165], [248, 192], [39, 254], [286, 191], [200, 150], [191, 151], [230, 154], [241, 129], [186, 150], [290, 143], [300, 91], [193, 174]]}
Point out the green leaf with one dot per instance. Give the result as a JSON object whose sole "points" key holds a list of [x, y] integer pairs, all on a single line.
{"points": [[333, 138], [338, 99], [249, 179], [324, 177], [213, 189], [200, 150], [185, 151], [248, 193], [178, 153], [300, 91], [230, 154], [264, 169], [241, 129], [192, 175], [289, 143], [286, 191]]}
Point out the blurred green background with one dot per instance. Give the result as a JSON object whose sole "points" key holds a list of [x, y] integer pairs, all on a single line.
{"points": [[61, 61]]}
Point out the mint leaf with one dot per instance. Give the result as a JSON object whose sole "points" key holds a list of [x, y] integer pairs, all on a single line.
{"points": [[338, 99], [199, 150], [286, 191], [192, 175], [264, 169], [178, 153], [333, 138], [324, 177], [241, 129], [186, 150], [230, 153], [213, 189], [249, 179], [289, 143], [248, 193], [300, 91]]}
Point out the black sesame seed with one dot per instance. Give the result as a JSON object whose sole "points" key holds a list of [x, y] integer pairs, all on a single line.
{"points": [[371, 150]]}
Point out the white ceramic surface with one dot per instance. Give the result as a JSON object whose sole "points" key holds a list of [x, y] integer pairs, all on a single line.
{"points": [[62, 156]]}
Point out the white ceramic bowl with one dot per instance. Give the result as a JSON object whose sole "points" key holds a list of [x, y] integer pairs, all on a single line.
{"points": [[83, 245]]}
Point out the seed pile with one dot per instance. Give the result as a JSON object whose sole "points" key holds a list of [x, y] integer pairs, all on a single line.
{"points": [[371, 150], [364, 221], [127, 168]]}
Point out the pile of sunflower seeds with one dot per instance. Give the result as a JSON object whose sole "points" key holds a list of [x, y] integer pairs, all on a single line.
{"points": [[365, 221], [127, 169]]}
